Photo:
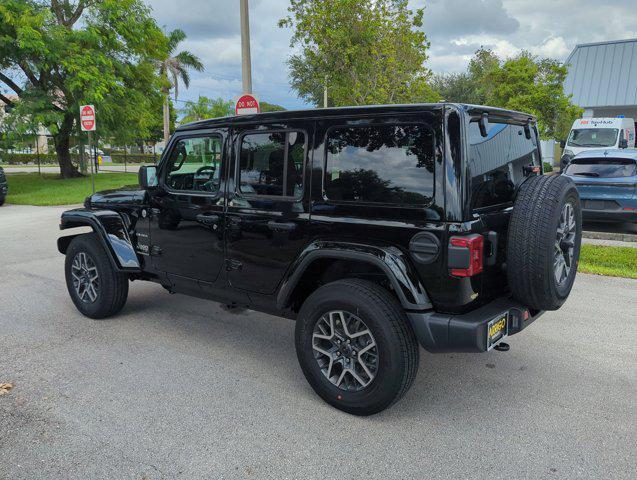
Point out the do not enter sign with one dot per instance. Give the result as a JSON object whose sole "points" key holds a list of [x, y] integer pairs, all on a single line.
{"points": [[247, 105], [87, 118]]}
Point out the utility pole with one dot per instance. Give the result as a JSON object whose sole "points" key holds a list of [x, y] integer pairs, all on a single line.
{"points": [[325, 94], [246, 63]]}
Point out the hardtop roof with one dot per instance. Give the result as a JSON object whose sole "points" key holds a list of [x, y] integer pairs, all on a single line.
{"points": [[333, 112]]}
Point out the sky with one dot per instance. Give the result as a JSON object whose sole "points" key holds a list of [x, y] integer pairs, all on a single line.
{"points": [[455, 28]]}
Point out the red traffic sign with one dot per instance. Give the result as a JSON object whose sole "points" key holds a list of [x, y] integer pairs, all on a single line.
{"points": [[247, 105], [87, 118]]}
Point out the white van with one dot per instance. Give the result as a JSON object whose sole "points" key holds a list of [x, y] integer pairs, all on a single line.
{"points": [[595, 133]]}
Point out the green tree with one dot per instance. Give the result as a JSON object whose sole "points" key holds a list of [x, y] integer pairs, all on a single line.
{"points": [[456, 87], [174, 67], [205, 108], [363, 51], [270, 107], [535, 85], [59, 54], [524, 82]]}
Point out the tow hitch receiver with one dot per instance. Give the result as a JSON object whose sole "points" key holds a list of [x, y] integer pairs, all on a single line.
{"points": [[502, 347]]}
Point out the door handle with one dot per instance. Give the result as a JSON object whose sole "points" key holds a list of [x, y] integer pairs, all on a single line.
{"points": [[207, 220], [281, 226]]}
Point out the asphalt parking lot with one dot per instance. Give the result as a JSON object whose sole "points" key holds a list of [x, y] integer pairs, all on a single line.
{"points": [[176, 387]]}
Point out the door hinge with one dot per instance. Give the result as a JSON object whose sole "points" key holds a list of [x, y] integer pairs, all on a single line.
{"points": [[233, 264]]}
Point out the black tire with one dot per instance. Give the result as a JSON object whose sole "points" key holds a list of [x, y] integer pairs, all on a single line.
{"points": [[397, 347], [112, 290], [2, 199], [533, 240]]}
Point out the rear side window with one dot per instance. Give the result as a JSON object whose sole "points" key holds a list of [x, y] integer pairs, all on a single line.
{"points": [[496, 162], [272, 164], [391, 164], [602, 168]]}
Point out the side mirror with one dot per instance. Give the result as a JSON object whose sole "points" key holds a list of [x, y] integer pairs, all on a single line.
{"points": [[623, 143], [562, 144], [147, 176]]}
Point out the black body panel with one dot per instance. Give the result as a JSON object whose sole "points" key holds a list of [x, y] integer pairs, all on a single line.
{"points": [[282, 203]]}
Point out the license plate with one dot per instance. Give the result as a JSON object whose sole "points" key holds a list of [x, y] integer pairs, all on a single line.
{"points": [[497, 329]]}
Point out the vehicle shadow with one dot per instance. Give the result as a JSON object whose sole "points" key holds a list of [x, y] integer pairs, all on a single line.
{"points": [[609, 227], [263, 345]]}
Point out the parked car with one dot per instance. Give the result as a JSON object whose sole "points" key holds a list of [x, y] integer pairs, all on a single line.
{"points": [[607, 184], [4, 188], [375, 228]]}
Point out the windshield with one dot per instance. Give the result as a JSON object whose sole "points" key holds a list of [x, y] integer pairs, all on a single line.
{"points": [[593, 137], [602, 168]]}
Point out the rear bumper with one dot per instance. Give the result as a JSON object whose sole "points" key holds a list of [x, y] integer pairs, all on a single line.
{"points": [[439, 333]]}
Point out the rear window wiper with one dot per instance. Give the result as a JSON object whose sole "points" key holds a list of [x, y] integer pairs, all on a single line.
{"points": [[587, 174]]}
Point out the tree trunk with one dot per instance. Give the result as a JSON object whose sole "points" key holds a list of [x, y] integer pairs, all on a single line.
{"points": [[62, 141], [166, 119]]}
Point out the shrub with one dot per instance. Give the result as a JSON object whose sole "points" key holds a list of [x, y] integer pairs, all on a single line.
{"points": [[548, 167]]}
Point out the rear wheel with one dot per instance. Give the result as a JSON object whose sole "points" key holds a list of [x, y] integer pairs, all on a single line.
{"points": [[96, 288], [544, 240], [355, 346]]}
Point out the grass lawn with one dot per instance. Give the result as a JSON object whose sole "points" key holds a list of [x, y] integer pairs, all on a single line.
{"points": [[50, 189], [609, 261]]}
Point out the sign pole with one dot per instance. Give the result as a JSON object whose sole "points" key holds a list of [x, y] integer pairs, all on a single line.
{"points": [[92, 162], [87, 122]]}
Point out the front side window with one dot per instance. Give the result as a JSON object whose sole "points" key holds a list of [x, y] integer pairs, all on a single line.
{"points": [[195, 164], [271, 164], [380, 164], [593, 137]]}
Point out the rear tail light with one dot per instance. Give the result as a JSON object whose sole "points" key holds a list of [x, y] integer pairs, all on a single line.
{"points": [[630, 209], [466, 255]]}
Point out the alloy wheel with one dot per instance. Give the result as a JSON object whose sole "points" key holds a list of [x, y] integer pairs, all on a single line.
{"points": [[564, 244], [345, 350], [86, 279]]}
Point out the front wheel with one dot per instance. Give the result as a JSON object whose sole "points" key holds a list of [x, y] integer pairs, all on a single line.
{"points": [[96, 288], [355, 346]]}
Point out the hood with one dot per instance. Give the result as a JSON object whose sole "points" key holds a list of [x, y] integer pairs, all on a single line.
{"points": [[130, 195]]}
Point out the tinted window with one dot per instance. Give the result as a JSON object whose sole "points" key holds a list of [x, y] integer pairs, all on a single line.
{"points": [[602, 168], [272, 163], [497, 160], [195, 164], [380, 164]]}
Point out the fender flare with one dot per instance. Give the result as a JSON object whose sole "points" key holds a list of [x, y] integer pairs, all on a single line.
{"points": [[391, 260], [111, 229]]}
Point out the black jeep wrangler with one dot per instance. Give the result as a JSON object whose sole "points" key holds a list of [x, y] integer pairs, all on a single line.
{"points": [[376, 228]]}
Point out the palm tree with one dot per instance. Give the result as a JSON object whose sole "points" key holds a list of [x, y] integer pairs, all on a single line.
{"points": [[205, 107], [173, 68]]}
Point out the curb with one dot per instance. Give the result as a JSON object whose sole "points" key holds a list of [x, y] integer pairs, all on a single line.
{"points": [[618, 237]]}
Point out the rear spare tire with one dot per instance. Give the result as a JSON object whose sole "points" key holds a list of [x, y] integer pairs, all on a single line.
{"points": [[544, 240]]}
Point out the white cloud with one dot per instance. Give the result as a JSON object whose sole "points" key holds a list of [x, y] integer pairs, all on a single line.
{"points": [[455, 28]]}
